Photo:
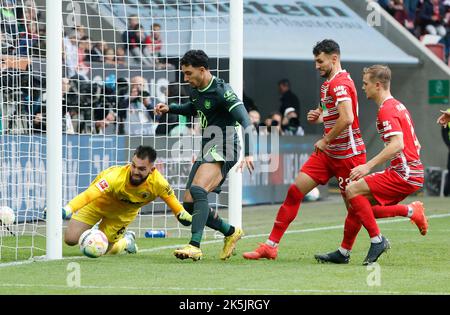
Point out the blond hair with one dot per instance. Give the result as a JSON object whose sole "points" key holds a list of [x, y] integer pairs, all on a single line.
{"points": [[379, 73]]}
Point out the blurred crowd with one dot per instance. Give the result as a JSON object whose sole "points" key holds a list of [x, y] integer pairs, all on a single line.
{"points": [[428, 20]]}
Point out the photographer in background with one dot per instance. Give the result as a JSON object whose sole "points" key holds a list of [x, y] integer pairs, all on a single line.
{"points": [[291, 123]]}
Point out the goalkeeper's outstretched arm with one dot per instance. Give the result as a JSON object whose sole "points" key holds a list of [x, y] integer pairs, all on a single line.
{"points": [[82, 200]]}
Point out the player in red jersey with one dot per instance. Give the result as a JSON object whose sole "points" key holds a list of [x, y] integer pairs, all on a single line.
{"points": [[384, 189], [339, 150]]}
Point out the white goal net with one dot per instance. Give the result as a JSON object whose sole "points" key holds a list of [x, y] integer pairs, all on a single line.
{"points": [[120, 58]]}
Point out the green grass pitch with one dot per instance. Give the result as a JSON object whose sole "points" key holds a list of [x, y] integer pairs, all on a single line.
{"points": [[414, 265]]}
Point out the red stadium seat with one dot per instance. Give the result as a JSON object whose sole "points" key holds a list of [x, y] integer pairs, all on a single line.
{"points": [[437, 49]]}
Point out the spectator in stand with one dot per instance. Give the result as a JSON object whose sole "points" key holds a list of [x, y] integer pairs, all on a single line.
{"points": [[105, 121], [84, 49], [445, 128], [399, 12], [133, 21], [98, 51], [153, 46], [71, 53], [29, 40], [288, 98], [291, 123], [168, 121], [432, 16], [110, 57], [410, 10], [121, 58], [274, 121], [39, 123], [139, 120], [153, 42], [137, 48], [255, 117], [8, 19], [387, 5]]}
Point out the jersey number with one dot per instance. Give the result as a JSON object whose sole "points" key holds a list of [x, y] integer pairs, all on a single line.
{"points": [[413, 134]]}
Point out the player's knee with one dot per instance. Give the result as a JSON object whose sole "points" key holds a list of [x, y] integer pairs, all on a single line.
{"points": [[198, 193], [351, 190]]}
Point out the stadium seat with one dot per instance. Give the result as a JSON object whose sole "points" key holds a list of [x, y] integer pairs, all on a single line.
{"points": [[437, 49], [430, 39]]}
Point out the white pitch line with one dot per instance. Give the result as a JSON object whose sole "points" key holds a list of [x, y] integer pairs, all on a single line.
{"points": [[158, 289], [155, 249]]}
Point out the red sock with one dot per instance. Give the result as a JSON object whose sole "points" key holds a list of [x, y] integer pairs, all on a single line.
{"points": [[390, 211], [351, 228], [360, 206], [287, 213]]}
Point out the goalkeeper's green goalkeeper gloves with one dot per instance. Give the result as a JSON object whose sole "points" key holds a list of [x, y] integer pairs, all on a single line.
{"points": [[184, 218], [66, 213]]}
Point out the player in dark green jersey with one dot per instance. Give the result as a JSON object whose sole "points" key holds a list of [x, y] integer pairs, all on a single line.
{"points": [[219, 110]]}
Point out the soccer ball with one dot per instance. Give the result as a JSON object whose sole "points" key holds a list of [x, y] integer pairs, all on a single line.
{"points": [[7, 215], [313, 195], [93, 243]]}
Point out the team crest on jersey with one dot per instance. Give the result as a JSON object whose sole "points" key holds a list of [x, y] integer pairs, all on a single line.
{"points": [[102, 185], [145, 195], [229, 96], [207, 104]]}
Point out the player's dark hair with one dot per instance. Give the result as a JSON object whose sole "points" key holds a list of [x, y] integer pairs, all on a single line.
{"points": [[327, 46], [195, 58], [145, 152]]}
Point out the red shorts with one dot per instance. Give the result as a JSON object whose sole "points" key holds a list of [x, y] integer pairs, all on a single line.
{"points": [[388, 188], [320, 167]]}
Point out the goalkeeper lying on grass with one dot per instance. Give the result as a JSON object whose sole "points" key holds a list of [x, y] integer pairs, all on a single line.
{"points": [[116, 196]]}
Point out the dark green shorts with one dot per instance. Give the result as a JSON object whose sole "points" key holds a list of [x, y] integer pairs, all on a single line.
{"points": [[215, 156]]}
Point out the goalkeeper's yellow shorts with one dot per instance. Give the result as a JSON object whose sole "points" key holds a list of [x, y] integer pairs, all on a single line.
{"points": [[112, 224]]}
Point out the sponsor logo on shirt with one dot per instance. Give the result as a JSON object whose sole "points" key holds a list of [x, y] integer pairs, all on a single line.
{"points": [[340, 90], [102, 185]]}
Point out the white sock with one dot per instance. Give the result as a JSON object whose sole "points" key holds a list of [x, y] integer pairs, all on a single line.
{"points": [[271, 243], [376, 239], [410, 212], [344, 251]]}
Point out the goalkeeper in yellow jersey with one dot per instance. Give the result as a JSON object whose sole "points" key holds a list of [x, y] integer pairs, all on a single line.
{"points": [[115, 197]]}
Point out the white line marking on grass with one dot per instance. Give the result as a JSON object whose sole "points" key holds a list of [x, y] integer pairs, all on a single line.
{"points": [[155, 249], [158, 289]]}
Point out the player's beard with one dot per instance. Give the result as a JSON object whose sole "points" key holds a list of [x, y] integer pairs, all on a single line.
{"points": [[327, 73], [137, 182]]}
